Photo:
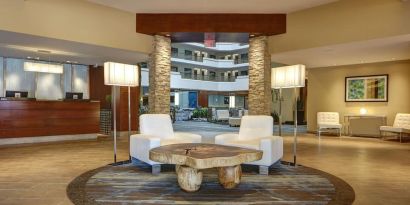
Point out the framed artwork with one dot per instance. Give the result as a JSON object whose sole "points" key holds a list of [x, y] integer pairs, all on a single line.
{"points": [[371, 88]]}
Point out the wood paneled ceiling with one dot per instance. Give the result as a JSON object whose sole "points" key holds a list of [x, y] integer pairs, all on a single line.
{"points": [[231, 27]]}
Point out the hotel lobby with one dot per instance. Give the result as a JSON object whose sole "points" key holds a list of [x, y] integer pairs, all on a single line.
{"points": [[204, 102]]}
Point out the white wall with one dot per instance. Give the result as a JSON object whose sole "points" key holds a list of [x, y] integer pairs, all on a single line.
{"points": [[81, 80], [49, 86], [17, 79], [44, 85]]}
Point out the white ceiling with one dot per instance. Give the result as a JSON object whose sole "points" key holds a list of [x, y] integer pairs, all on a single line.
{"points": [[371, 51], [212, 6], [19, 45]]}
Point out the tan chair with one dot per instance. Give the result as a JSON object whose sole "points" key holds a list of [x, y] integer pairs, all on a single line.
{"points": [[328, 121], [401, 125]]}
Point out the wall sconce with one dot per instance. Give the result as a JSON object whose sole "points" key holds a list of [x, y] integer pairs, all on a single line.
{"points": [[363, 111]]}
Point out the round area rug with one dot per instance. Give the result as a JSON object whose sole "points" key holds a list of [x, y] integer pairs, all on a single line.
{"points": [[133, 183]]}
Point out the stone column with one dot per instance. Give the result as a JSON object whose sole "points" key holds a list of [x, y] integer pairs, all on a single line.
{"points": [[159, 76], [260, 96]]}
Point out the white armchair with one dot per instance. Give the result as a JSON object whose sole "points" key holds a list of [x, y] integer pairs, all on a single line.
{"points": [[222, 115], [156, 130], [401, 125], [327, 121], [256, 132]]}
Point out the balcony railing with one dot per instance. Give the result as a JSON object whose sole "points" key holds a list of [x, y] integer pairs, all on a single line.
{"points": [[201, 59], [208, 77], [187, 57], [240, 61]]}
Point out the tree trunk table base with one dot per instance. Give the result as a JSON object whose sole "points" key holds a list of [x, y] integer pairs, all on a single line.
{"points": [[191, 158], [229, 177], [189, 179]]}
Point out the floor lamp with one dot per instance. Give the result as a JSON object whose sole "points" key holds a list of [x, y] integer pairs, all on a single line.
{"points": [[289, 77], [118, 74]]}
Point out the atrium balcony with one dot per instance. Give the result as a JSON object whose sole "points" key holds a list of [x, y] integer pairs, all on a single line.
{"points": [[221, 46], [208, 62], [205, 83]]}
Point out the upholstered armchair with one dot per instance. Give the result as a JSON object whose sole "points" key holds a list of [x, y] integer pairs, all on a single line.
{"points": [[401, 125], [256, 132], [328, 121], [156, 130]]}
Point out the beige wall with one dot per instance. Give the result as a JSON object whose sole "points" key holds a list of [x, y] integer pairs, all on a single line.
{"points": [[341, 22], [74, 20], [326, 89]]}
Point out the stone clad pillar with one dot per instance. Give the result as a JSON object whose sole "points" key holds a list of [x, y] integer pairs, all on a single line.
{"points": [[159, 76], [260, 95]]}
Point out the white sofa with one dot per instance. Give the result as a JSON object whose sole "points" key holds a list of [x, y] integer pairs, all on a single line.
{"points": [[401, 125], [256, 132], [222, 115], [328, 121], [156, 130]]}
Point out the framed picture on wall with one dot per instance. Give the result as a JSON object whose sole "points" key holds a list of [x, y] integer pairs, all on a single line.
{"points": [[371, 88]]}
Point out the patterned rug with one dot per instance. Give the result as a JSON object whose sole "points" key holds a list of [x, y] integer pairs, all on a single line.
{"points": [[133, 183]]}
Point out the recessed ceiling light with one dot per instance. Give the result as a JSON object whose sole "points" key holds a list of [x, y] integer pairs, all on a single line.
{"points": [[38, 58], [68, 61], [29, 57], [252, 35], [167, 35]]}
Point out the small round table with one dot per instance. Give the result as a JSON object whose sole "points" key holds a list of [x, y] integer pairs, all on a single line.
{"points": [[192, 157]]}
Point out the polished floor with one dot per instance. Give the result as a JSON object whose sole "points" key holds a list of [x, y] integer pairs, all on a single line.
{"points": [[379, 171]]}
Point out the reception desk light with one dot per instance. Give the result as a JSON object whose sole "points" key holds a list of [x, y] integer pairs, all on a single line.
{"points": [[43, 67], [119, 74]]}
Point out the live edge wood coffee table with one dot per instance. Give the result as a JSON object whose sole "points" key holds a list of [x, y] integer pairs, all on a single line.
{"points": [[191, 158]]}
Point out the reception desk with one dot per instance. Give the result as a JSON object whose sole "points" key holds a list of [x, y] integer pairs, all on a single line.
{"points": [[37, 118]]}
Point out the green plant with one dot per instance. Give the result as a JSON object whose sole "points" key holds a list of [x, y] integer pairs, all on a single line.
{"points": [[200, 113], [275, 116], [108, 100]]}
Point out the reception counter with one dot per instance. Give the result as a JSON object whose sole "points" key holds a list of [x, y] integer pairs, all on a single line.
{"points": [[37, 118]]}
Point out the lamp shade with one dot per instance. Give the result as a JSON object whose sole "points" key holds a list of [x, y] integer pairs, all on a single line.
{"points": [[43, 67], [288, 76], [120, 74]]}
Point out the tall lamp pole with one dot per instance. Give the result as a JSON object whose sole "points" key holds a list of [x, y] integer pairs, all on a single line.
{"points": [[118, 74], [289, 77]]}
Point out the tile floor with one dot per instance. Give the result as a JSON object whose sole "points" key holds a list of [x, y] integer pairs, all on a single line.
{"points": [[379, 171]]}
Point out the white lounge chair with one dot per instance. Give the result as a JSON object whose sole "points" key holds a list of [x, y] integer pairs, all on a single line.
{"points": [[256, 132], [156, 130], [401, 125], [222, 115], [328, 121]]}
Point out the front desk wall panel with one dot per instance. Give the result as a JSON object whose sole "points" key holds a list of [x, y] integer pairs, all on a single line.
{"points": [[46, 118]]}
